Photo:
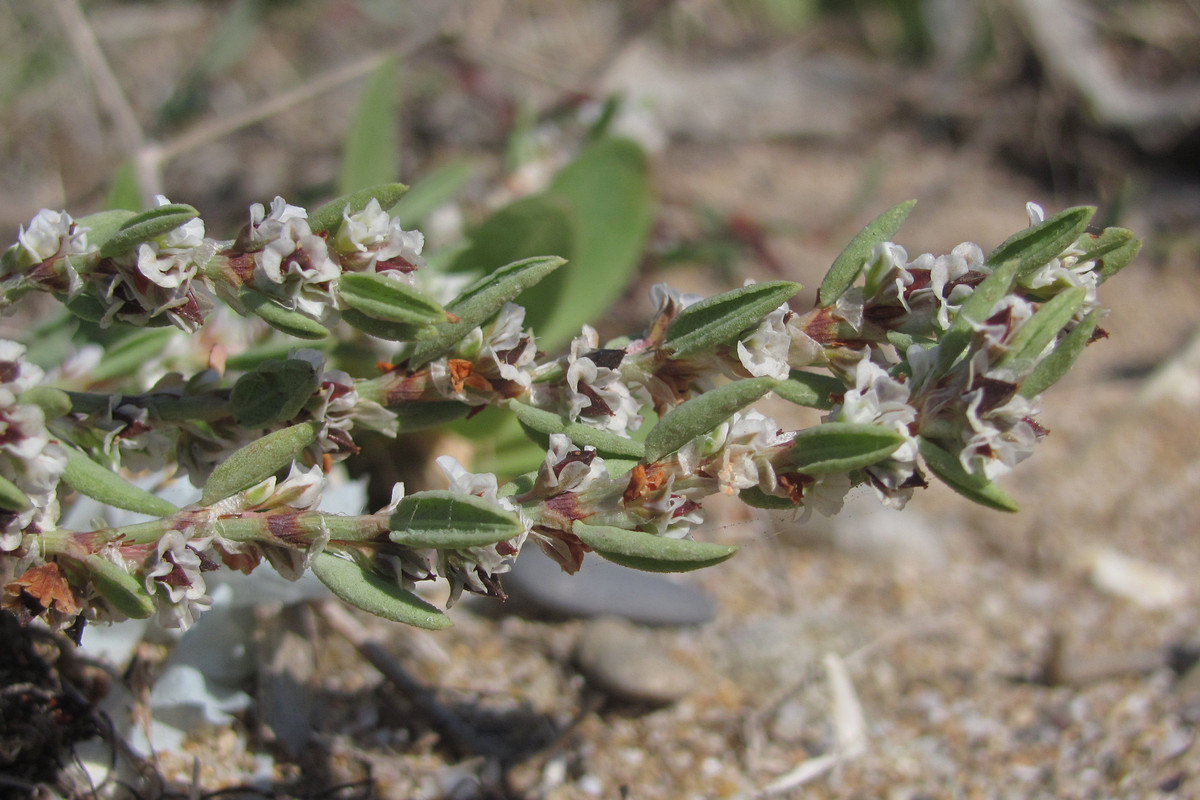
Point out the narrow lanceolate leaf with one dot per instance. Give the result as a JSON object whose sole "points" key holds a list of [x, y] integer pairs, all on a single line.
{"points": [[328, 218], [363, 588], [811, 389], [53, 402], [11, 497], [372, 143], [1036, 246], [258, 461], [850, 262], [702, 326], [274, 392], [293, 323], [540, 421], [103, 225], [648, 552], [435, 190], [701, 414], [390, 300], [946, 466], [974, 309], [451, 521], [101, 483], [757, 498], [120, 589], [1043, 327], [842, 446], [412, 417], [1112, 250], [130, 353], [145, 226], [1055, 365], [382, 329], [480, 301]]}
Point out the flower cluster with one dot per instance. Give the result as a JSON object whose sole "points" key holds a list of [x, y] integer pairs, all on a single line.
{"points": [[31, 461]]}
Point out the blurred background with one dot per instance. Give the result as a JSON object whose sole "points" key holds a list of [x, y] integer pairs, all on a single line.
{"points": [[770, 131]]}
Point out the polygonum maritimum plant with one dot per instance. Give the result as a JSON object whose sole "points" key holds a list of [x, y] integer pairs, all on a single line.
{"points": [[926, 366]]}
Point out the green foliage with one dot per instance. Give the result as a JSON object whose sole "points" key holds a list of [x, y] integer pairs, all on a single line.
{"points": [[701, 414], [648, 552], [973, 486], [372, 149], [842, 447], [258, 461], [104, 484], [274, 392], [362, 587], [850, 262], [1035, 246], [702, 326], [450, 521]]}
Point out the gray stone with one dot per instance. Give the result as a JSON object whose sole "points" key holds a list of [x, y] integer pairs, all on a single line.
{"points": [[631, 664]]}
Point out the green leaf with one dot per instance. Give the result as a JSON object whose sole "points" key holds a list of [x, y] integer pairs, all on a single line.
{"points": [[949, 469], [11, 497], [53, 402], [293, 323], [974, 309], [648, 552], [328, 218], [1047, 371], [480, 301], [842, 446], [123, 191], [103, 225], [101, 483], [435, 190], [1043, 327], [849, 263], [372, 149], [422, 416], [363, 588], [810, 389], [1112, 250], [701, 414], [258, 461], [391, 331], [451, 521], [608, 192], [1035, 246], [540, 421], [126, 356], [145, 226], [702, 326], [123, 591], [531, 226], [757, 498], [390, 300], [274, 392]]}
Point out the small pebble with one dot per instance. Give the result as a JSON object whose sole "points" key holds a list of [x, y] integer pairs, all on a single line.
{"points": [[1140, 582], [630, 664]]}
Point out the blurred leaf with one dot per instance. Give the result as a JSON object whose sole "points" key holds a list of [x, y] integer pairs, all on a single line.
{"points": [[757, 498], [274, 392], [372, 150], [435, 190], [101, 483], [451, 521], [1035, 246], [123, 194], [607, 189], [1055, 365], [849, 263], [364, 588], [422, 416], [700, 414], [648, 552], [123, 357], [258, 461], [842, 446], [702, 326], [946, 466], [11, 496]]}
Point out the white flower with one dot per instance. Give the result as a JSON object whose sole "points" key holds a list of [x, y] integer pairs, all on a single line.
{"points": [[173, 578], [371, 241], [598, 396], [567, 468], [765, 352], [293, 265], [50, 237], [998, 437]]}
